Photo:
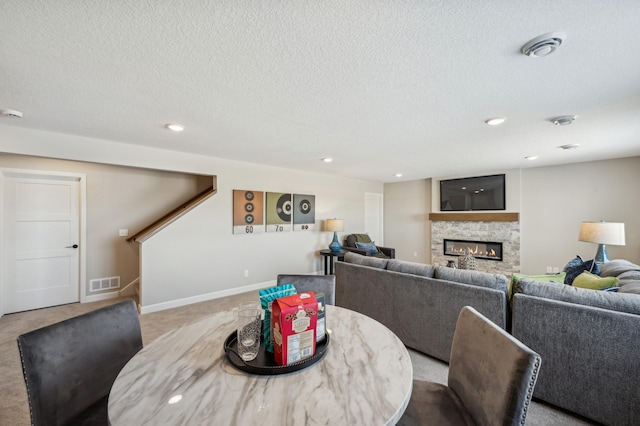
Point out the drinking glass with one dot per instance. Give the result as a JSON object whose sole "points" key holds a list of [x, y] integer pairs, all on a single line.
{"points": [[249, 330]]}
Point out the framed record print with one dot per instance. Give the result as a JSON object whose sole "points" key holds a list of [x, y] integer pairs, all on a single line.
{"points": [[304, 212], [248, 212], [278, 212]]}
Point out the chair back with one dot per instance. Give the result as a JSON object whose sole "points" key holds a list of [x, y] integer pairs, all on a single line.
{"points": [[71, 365], [321, 283], [491, 372]]}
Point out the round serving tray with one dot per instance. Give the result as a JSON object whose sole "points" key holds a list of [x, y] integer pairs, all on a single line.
{"points": [[265, 363]]}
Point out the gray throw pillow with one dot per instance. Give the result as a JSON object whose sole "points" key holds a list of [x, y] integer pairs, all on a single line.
{"points": [[616, 267]]}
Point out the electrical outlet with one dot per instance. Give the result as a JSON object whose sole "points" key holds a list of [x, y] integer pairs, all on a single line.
{"points": [[549, 270], [246, 273], [123, 232], [556, 269], [415, 254]]}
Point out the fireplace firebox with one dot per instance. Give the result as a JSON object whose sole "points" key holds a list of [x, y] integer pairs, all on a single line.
{"points": [[479, 249]]}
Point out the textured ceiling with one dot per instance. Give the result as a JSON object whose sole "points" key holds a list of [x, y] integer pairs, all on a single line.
{"points": [[381, 86]]}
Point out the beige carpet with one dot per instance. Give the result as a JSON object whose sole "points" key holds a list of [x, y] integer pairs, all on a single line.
{"points": [[14, 408]]}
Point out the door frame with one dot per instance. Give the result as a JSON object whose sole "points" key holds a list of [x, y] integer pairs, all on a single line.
{"points": [[82, 217], [379, 213]]}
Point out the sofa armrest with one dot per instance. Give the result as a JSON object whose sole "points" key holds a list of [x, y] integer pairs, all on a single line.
{"points": [[356, 250], [388, 251]]}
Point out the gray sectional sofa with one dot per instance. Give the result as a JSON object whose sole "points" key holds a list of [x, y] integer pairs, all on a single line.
{"points": [[589, 340], [419, 303]]}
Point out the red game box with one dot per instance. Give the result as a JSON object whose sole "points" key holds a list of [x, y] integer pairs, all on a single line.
{"points": [[293, 326]]}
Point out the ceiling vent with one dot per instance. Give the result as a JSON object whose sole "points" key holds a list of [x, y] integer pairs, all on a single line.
{"points": [[564, 120], [543, 45], [11, 113]]}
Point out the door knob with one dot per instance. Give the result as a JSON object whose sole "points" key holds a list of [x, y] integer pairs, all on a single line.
{"points": [[73, 246]]}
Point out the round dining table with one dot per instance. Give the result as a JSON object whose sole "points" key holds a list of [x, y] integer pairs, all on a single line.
{"points": [[185, 378]]}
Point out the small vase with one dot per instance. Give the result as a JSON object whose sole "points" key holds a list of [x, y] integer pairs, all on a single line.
{"points": [[451, 264], [467, 261]]}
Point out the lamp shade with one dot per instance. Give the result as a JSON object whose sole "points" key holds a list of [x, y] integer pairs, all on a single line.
{"points": [[602, 233], [334, 225]]}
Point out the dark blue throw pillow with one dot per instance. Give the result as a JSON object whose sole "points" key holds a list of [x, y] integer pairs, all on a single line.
{"points": [[577, 266]]}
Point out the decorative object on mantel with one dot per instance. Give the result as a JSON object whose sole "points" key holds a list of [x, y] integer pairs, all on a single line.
{"points": [[335, 225], [467, 261], [602, 233], [452, 264]]}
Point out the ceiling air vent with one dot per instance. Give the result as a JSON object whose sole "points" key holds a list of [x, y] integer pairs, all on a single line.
{"points": [[543, 45], [11, 113]]}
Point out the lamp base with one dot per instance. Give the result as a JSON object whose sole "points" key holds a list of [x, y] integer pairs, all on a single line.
{"points": [[335, 244], [601, 255]]}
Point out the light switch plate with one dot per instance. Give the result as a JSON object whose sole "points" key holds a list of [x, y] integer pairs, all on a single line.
{"points": [[123, 232]]}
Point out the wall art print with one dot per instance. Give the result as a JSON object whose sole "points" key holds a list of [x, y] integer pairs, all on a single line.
{"points": [[248, 212], [304, 212], [278, 212]]}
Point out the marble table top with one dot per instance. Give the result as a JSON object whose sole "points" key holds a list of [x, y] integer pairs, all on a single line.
{"points": [[184, 378]]}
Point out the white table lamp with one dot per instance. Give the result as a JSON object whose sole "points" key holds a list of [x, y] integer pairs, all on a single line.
{"points": [[335, 225], [602, 233]]}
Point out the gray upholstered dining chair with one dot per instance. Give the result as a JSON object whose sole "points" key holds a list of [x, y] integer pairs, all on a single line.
{"points": [[302, 283], [491, 379], [69, 367]]}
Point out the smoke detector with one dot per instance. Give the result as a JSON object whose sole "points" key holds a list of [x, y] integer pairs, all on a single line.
{"points": [[11, 113], [564, 120], [543, 45]]}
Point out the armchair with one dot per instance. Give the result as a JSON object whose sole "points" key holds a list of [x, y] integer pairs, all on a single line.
{"points": [[350, 245]]}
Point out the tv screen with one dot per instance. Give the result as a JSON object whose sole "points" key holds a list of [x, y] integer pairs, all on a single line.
{"points": [[474, 193]]}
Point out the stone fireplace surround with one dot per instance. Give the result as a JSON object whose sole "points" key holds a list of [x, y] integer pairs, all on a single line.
{"points": [[499, 227]]}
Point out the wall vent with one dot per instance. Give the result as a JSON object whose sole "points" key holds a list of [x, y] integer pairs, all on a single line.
{"points": [[102, 284]]}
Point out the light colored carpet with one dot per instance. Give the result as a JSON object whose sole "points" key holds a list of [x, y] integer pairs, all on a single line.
{"points": [[14, 408]]}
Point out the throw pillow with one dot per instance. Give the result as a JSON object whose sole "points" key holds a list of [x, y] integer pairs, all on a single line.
{"points": [[363, 238], [369, 247], [594, 282], [576, 266]]}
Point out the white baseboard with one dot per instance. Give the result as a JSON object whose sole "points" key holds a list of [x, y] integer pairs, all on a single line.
{"points": [[204, 297], [101, 296]]}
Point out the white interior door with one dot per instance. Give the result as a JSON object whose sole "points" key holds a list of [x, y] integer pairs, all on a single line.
{"points": [[374, 217], [41, 239]]}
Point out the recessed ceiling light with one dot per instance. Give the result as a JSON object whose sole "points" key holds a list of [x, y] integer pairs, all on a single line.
{"points": [[543, 45], [531, 157], [569, 146], [174, 126], [398, 175], [495, 121], [11, 113], [563, 120], [327, 160]]}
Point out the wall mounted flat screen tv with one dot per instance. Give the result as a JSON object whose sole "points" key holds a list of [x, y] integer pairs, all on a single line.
{"points": [[472, 194]]}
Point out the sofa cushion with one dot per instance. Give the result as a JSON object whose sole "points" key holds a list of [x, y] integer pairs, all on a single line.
{"points": [[420, 269], [556, 278], [477, 278], [358, 259], [369, 247], [628, 303], [616, 267], [594, 282], [576, 266], [629, 282]]}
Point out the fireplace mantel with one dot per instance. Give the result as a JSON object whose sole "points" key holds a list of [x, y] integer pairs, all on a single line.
{"points": [[475, 217]]}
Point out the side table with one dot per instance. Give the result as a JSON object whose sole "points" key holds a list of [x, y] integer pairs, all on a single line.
{"points": [[329, 259]]}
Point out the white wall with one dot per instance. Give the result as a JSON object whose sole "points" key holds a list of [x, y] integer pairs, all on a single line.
{"points": [[406, 217], [555, 200], [198, 254]]}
